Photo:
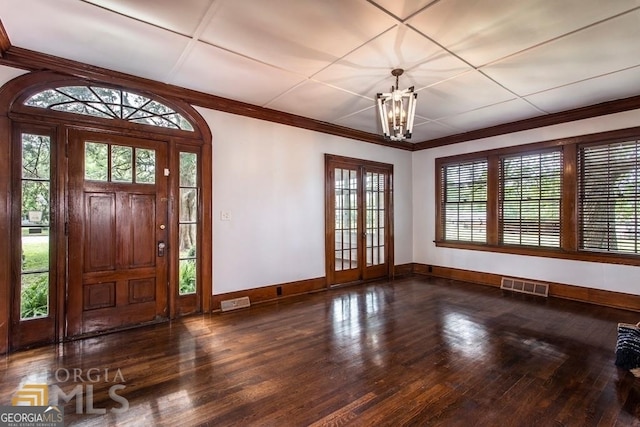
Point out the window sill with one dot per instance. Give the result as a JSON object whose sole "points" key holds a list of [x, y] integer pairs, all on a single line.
{"points": [[545, 252]]}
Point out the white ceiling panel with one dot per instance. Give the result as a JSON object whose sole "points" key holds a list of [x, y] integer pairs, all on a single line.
{"points": [[402, 9], [365, 120], [474, 63], [182, 16], [601, 49], [508, 111], [466, 92], [431, 130], [219, 72], [82, 32], [485, 30], [367, 70], [303, 36], [587, 92], [319, 101]]}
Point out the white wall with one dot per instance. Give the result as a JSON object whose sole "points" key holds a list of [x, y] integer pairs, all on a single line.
{"points": [[9, 73], [612, 277], [270, 178]]}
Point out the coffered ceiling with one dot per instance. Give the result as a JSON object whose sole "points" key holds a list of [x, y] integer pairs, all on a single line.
{"points": [[474, 63]]}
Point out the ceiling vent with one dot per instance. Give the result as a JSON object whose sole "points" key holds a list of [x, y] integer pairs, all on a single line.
{"points": [[525, 286], [234, 304]]}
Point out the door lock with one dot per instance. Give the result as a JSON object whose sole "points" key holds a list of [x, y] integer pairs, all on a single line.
{"points": [[161, 247]]}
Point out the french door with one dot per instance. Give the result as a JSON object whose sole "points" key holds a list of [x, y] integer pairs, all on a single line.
{"points": [[359, 220], [118, 236]]}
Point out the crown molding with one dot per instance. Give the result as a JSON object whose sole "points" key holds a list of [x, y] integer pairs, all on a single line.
{"points": [[5, 43], [601, 109]]}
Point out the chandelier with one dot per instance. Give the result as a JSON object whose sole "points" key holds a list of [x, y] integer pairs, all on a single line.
{"points": [[397, 110]]}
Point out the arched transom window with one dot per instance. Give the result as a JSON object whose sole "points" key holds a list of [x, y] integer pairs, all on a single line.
{"points": [[109, 103]]}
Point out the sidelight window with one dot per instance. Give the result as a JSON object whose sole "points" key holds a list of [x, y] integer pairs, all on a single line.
{"points": [[35, 242], [188, 223]]}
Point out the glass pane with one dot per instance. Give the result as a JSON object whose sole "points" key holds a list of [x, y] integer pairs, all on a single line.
{"points": [[188, 169], [103, 108], [188, 238], [80, 108], [96, 161], [121, 163], [145, 166], [35, 249], [188, 276], [133, 99], [34, 296], [188, 205], [36, 156], [157, 108], [338, 258], [35, 202], [46, 98], [108, 96], [81, 93], [155, 121]]}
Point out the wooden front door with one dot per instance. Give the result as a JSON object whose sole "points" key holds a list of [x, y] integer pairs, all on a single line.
{"points": [[118, 237], [359, 239]]}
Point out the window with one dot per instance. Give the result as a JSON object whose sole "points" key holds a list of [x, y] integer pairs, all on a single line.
{"points": [[572, 198], [35, 226], [115, 163], [609, 197], [109, 103], [464, 193], [188, 223], [530, 199]]}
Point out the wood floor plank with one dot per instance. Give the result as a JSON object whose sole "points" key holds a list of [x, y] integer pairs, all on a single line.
{"points": [[416, 351]]}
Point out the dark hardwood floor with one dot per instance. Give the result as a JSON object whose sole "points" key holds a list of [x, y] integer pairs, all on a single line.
{"points": [[413, 352]]}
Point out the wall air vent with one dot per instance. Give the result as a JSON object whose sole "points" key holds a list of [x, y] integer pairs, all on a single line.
{"points": [[525, 286], [234, 304]]}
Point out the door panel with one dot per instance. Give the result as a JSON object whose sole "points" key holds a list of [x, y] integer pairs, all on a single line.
{"points": [[100, 234], [358, 206], [118, 217], [143, 240]]}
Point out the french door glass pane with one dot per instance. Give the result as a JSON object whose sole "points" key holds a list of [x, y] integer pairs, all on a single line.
{"points": [[374, 190], [346, 219]]}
